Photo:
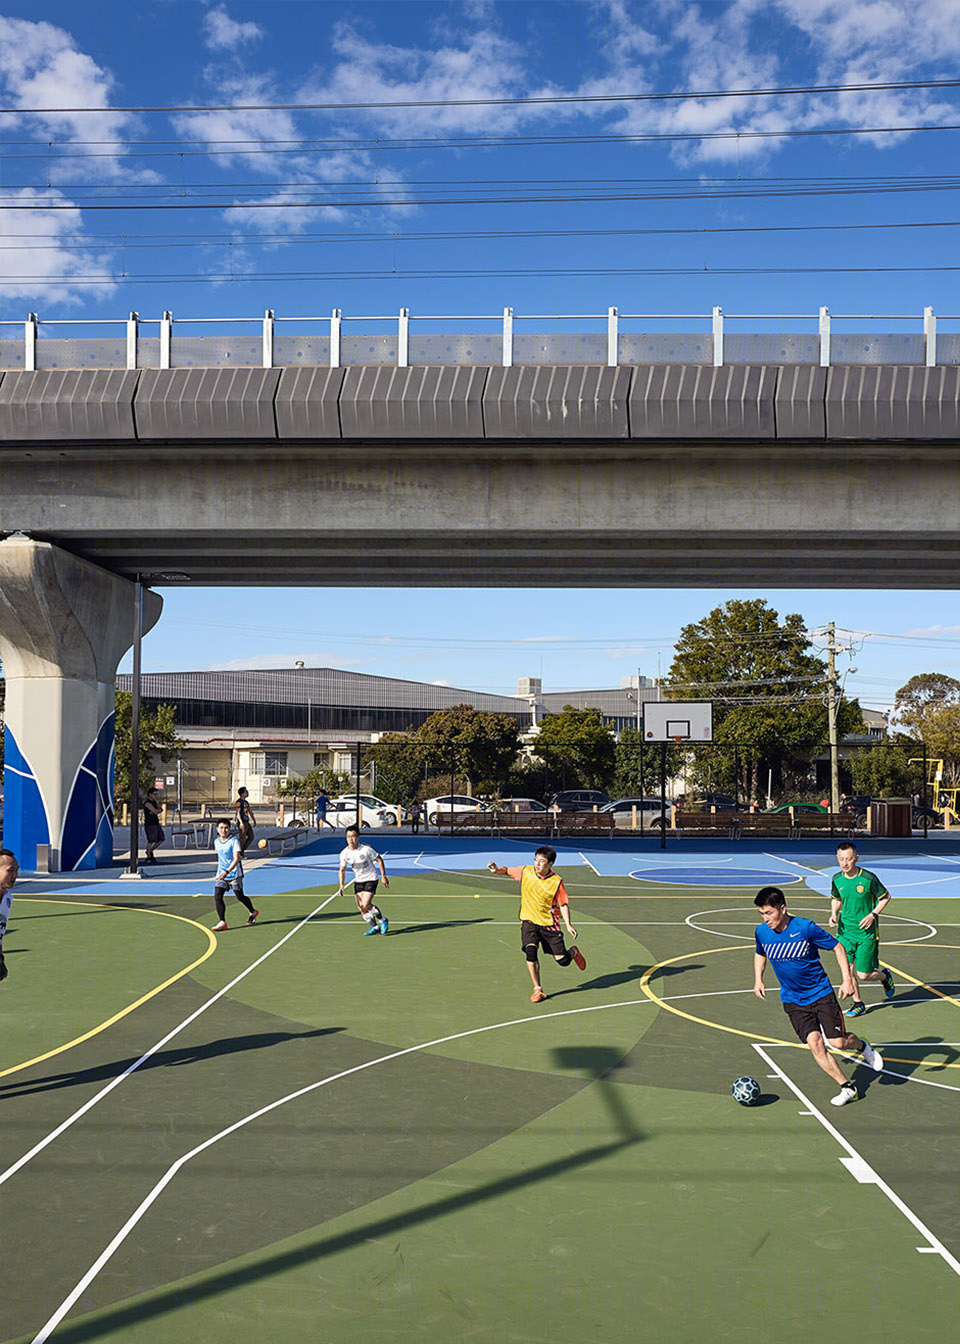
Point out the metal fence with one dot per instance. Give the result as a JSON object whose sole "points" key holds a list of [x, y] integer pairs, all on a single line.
{"points": [[402, 340]]}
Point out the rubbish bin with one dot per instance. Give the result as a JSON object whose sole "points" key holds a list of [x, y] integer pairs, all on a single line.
{"points": [[891, 818]]}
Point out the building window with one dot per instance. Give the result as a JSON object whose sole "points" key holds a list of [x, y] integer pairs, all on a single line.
{"points": [[320, 758], [269, 762]]}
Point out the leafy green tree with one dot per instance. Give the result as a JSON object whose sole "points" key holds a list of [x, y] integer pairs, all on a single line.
{"points": [[577, 748], [158, 738], [885, 771], [399, 760], [768, 693], [928, 707], [304, 788], [479, 745]]}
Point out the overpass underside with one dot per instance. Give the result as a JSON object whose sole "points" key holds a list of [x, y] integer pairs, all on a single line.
{"points": [[656, 475]]}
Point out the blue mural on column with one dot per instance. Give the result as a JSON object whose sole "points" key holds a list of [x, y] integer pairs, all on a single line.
{"points": [[25, 823], [105, 741], [87, 838]]}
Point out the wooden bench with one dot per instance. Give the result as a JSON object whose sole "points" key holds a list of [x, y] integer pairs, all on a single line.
{"points": [[837, 823], [538, 823], [684, 820], [463, 821], [764, 823], [571, 823]]}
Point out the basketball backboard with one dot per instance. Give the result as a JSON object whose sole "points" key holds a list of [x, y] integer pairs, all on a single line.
{"points": [[678, 721]]}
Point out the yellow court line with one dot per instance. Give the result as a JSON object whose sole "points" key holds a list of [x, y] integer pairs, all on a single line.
{"points": [[95, 1031], [750, 1035], [922, 983]]}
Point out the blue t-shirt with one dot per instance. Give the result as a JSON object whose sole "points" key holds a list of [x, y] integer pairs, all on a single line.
{"points": [[226, 853], [795, 957]]}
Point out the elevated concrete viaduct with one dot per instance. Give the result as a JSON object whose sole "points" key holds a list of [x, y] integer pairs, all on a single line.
{"points": [[573, 475]]}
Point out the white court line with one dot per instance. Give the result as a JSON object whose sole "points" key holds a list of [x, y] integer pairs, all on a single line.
{"points": [[145, 1204], [862, 1170], [587, 862], [115, 1082]]}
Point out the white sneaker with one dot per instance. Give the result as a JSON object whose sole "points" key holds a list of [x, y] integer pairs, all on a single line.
{"points": [[847, 1093], [221, 927], [872, 1058]]}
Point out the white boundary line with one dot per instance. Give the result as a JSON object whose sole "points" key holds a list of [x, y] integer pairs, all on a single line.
{"points": [[115, 1082], [588, 863], [862, 1171]]}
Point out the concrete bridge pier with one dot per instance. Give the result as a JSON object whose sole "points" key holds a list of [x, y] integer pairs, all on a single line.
{"points": [[64, 626]]}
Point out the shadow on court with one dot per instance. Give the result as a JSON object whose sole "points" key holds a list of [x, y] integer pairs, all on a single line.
{"points": [[628, 975], [164, 1059], [927, 1048], [439, 924], [595, 1062]]}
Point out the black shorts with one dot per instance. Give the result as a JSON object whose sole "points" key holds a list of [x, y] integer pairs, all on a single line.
{"points": [[154, 834], [234, 884], [541, 935], [824, 1015], [370, 886]]}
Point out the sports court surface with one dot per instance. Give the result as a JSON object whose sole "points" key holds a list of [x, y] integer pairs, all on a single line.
{"points": [[294, 1133]]}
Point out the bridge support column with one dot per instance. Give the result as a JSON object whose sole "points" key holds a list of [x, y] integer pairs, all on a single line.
{"points": [[64, 626]]}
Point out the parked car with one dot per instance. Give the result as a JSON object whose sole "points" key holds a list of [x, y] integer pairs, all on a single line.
{"points": [[342, 812], [858, 803], [703, 802], [649, 812], [797, 807], [452, 802], [579, 800], [520, 805]]}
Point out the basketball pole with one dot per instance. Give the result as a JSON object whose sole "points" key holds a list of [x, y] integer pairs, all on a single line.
{"points": [[663, 795]]}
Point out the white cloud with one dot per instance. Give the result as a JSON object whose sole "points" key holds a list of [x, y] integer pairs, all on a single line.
{"points": [[222, 33], [42, 68], [42, 253]]}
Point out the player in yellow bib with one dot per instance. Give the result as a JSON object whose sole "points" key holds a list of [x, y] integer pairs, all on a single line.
{"points": [[543, 902], [857, 899]]}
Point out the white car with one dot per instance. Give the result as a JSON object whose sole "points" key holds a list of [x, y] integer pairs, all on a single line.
{"points": [[650, 814], [452, 802], [342, 811]]}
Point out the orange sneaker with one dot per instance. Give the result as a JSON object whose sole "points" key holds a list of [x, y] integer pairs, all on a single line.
{"points": [[579, 958], [537, 996]]}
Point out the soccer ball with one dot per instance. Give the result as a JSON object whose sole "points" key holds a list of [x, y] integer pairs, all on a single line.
{"points": [[746, 1090], [261, 844]]}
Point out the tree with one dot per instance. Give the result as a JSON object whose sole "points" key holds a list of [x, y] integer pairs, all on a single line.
{"points": [[577, 748], [885, 770], [399, 761], [475, 743], [768, 694], [158, 737], [928, 706], [304, 788]]}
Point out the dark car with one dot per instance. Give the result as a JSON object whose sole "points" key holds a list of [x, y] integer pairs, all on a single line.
{"points": [[704, 801], [579, 800], [798, 807], [859, 802]]}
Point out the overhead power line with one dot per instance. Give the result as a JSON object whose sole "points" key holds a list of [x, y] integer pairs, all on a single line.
{"points": [[540, 100]]}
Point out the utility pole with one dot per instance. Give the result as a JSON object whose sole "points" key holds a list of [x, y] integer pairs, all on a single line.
{"points": [[832, 717]]}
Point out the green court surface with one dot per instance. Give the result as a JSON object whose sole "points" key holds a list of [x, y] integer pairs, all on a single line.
{"points": [[358, 1140]]}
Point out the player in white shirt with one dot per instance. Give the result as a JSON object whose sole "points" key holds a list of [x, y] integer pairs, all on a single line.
{"points": [[8, 875], [364, 862]]}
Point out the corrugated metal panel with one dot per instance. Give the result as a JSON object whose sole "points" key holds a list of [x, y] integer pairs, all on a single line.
{"points": [[799, 402], [895, 402], [433, 402], [693, 401], [206, 403], [318, 685], [307, 403], [68, 404], [560, 402]]}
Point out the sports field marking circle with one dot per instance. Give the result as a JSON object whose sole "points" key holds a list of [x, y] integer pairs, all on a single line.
{"points": [[752, 1035], [144, 998], [712, 876], [748, 922]]}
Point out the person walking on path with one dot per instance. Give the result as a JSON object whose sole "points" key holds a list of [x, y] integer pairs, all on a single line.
{"points": [[245, 820], [414, 812], [320, 806], [857, 899], [151, 824], [543, 902], [229, 875], [363, 862], [792, 946], [9, 870]]}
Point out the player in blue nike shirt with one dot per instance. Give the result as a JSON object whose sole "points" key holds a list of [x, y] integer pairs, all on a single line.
{"points": [[792, 945]]}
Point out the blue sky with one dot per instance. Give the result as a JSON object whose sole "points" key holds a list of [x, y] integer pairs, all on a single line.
{"points": [[461, 202]]}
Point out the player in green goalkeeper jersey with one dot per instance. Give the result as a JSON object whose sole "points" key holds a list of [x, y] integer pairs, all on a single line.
{"points": [[857, 899]]}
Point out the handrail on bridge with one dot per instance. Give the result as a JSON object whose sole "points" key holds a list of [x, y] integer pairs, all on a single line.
{"points": [[613, 317]]}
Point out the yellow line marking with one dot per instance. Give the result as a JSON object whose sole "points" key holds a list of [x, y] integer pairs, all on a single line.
{"points": [[922, 983], [750, 1035], [95, 1031]]}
